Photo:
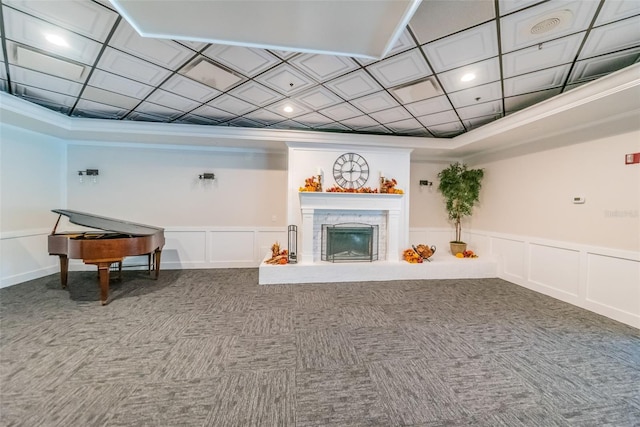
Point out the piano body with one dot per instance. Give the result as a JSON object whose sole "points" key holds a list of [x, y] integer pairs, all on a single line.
{"points": [[119, 239]]}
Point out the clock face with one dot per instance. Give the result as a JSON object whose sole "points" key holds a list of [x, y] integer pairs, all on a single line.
{"points": [[350, 170]]}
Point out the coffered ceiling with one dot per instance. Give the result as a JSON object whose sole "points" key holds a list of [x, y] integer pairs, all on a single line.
{"points": [[457, 66]]}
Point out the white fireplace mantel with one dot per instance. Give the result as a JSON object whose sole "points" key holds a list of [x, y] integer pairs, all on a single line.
{"points": [[391, 204]]}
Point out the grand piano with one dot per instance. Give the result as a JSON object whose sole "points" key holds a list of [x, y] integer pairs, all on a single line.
{"points": [[119, 239]]}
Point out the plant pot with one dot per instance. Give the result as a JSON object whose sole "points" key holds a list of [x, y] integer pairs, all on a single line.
{"points": [[457, 247]]}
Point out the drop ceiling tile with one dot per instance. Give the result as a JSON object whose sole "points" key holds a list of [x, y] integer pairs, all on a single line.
{"points": [[508, 6], [41, 80], [129, 66], [298, 109], [143, 117], [589, 69], [165, 53], [244, 122], [285, 79], [196, 46], [191, 89], [256, 93], [546, 55], [429, 106], [265, 117], [375, 129], [232, 104], [360, 122], [283, 54], [519, 102], [438, 118], [171, 100], [463, 48], [418, 132], [485, 72], [43, 97], [486, 109], [341, 112], [616, 10], [245, 60], [318, 97], [447, 130], [353, 85], [313, 119], [515, 29], [196, 120], [160, 111], [333, 127], [115, 83], [391, 115], [540, 80], [477, 94], [289, 124], [375, 102], [323, 67], [399, 69], [404, 125], [438, 18], [86, 108], [82, 17], [51, 105], [209, 112], [31, 31], [109, 98], [3, 71], [216, 76], [480, 121], [609, 38]]}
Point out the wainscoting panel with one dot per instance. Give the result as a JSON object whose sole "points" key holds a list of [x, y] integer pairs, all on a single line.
{"points": [[232, 247], [511, 257], [24, 256], [555, 268], [184, 249], [613, 283]]}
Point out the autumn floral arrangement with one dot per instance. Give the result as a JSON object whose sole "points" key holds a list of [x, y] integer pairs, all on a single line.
{"points": [[418, 254], [466, 254], [277, 256], [311, 184], [388, 186]]}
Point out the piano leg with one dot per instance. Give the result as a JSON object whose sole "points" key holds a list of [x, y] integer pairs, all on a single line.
{"points": [[156, 261], [103, 273], [64, 270]]}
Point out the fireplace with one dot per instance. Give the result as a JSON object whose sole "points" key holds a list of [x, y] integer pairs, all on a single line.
{"points": [[321, 208], [349, 242]]}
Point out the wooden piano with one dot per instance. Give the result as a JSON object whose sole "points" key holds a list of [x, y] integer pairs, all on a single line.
{"points": [[119, 239]]}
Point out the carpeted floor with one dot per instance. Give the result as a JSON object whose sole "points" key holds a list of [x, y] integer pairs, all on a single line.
{"points": [[213, 348]]}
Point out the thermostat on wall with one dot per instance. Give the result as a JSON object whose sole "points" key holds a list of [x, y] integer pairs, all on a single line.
{"points": [[578, 200]]}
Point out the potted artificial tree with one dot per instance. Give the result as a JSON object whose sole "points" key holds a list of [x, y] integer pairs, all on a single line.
{"points": [[461, 189]]}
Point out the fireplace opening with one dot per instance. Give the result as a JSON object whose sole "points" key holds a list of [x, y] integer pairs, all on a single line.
{"points": [[349, 242]]}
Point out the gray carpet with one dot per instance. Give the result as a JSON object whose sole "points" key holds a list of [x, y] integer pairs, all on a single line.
{"points": [[213, 348]]}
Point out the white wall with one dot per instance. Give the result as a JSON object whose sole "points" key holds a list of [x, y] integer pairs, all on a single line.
{"points": [[31, 171], [532, 195]]}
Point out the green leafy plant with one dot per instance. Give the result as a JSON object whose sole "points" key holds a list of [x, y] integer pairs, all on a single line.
{"points": [[460, 187]]}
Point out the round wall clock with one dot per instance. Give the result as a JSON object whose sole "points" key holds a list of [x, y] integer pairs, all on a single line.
{"points": [[350, 170]]}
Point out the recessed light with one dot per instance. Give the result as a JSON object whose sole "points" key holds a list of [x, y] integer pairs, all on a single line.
{"points": [[468, 77], [288, 109], [56, 39]]}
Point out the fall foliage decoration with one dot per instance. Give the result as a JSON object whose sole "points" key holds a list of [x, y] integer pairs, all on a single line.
{"points": [[417, 254], [277, 256], [336, 189], [389, 186], [311, 184]]}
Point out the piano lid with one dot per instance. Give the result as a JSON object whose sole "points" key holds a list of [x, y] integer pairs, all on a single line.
{"points": [[107, 224]]}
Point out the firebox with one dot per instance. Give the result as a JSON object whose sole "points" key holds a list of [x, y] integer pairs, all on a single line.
{"points": [[349, 242]]}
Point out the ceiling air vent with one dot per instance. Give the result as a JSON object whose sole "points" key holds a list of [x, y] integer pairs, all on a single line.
{"points": [[417, 91], [210, 74], [557, 20]]}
